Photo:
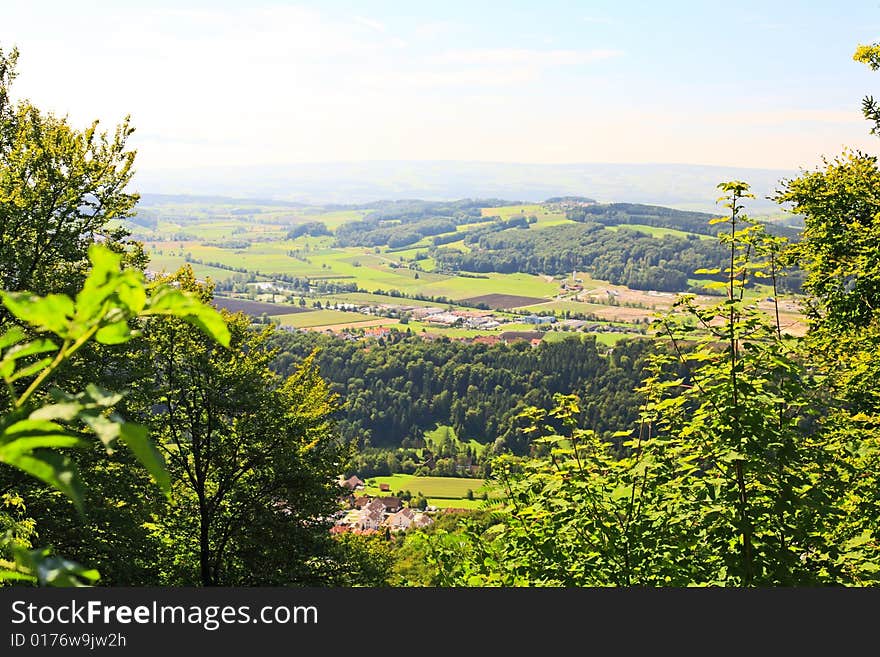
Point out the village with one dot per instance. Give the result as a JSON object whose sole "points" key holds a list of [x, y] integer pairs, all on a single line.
{"points": [[369, 515]]}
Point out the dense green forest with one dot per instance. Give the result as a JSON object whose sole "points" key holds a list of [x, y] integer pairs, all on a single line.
{"points": [[395, 391]]}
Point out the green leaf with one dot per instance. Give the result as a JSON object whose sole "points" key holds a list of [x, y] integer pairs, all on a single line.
{"points": [[859, 540], [31, 427], [12, 336], [31, 369], [621, 492], [63, 411], [55, 469], [15, 576], [171, 301], [49, 313], [100, 397], [116, 333], [133, 295], [106, 429], [52, 570], [99, 284], [40, 346], [136, 437], [27, 445], [704, 270]]}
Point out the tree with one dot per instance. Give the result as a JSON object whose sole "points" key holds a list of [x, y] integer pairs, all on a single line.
{"points": [[76, 182], [731, 478], [34, 427], [253, 458], [870, 55]]}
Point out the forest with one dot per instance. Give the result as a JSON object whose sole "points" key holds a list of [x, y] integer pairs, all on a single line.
{"points": [[615, 214], [395, 392], [623, 257]]}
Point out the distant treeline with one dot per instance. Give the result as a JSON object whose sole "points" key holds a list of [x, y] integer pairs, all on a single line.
{"points": [[311, 228], [401, 223], [614, 214], [623, 257]]}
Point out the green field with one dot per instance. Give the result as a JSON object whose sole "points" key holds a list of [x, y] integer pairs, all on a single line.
{"points": [[462, 287], [446, 488], [436, 436], [659, 232]]}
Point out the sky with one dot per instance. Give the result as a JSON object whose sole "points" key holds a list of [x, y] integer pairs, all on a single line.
{"points": [[749, 84]]}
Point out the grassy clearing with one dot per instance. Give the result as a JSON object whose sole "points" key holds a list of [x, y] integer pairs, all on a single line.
{"points": [[463, 287], [656, 231], [436, 436], [448, 488]]}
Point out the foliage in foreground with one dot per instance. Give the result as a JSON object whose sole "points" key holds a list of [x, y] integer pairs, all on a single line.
{"points": [[38, 428], [759, 467]]}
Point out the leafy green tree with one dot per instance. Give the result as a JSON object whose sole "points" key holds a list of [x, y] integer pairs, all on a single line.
{"points": [[76, 185], [38, 428], [253, 457], [840, 203]]}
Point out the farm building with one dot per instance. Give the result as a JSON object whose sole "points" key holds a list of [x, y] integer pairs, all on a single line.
{"points": [[353, 483], [539, 319]]}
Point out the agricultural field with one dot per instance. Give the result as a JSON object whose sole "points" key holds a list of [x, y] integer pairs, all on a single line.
{"points": [[502, 301], [446, 488], [464, 287], [324, 319], [544, 215], [256, 307], [240, 241]]}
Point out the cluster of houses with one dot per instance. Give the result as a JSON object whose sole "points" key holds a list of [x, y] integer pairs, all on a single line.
{"points": [[472, 319], [368, 515]]}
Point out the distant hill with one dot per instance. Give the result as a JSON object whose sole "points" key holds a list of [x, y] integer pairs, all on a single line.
{"points": [[682, 186]]}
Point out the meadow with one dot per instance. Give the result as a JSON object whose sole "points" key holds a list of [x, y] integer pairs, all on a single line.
{"points": [[433, 488]]}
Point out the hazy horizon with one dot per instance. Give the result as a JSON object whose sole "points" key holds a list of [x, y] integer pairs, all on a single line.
{"points": [[767, 86], [683, 186]]}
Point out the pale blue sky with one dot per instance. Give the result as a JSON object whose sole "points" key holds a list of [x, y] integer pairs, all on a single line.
{"points": [[759, 84]]}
